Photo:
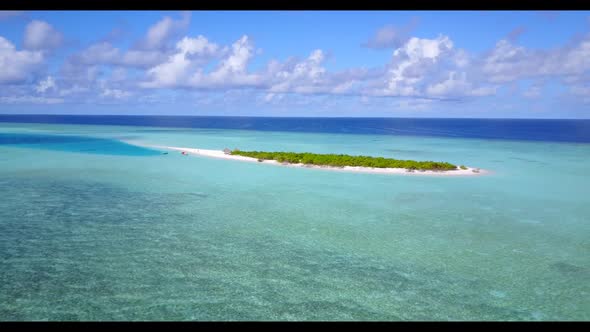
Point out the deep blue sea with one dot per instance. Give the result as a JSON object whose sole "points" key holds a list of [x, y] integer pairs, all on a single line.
{"points": [[94, 225], [510, 129]]}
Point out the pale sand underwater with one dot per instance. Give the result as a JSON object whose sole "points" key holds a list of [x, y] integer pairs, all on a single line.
{"points": [[135, 233]]}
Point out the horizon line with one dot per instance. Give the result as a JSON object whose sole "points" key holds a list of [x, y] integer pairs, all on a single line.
{"points": [[288, 117]]}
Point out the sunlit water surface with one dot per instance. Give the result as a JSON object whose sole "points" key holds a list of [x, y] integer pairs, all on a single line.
{"points": [[92, 228]]}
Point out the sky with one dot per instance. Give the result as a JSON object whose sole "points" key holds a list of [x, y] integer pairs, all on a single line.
{"points": [[453, 64]]}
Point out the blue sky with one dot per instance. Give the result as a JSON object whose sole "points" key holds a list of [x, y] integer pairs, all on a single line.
{"points": [[514, 64]]}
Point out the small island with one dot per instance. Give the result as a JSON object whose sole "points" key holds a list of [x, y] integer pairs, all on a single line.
{"points": [[341, 160], [333, 162]]}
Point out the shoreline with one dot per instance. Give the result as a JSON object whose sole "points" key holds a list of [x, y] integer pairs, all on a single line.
{"points": [[355, 169]]}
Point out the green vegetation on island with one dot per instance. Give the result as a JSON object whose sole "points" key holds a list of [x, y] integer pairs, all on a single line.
{"points": [[341, 160]]}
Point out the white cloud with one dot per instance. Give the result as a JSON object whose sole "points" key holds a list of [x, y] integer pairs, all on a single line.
{"points": [[40, 35], [483, 91], [149, 52], [457, 85], [309, 76], [269, 97], [576, 59], [170, 73], [115, 93], [100, 53], [303, 77], [190, 53], [141, 59], [76, 73], [410, 64], [104, 53], [419, 69], [85, 70], [159, 33], [509, 62], [48, 83], [233, 69], [196, 46], [417, 48], [461, 59], [185, 68], [451, 85], [16, 66], [430, 68], [30, 100]]}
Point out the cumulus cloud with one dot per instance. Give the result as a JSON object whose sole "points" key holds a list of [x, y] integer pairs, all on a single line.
{"points": [[301, 76], [46, 84], [309, 76], [85, 70], [16, 66], [185, 68], [148, 52], [115, 93], [233, 69], [104, 53], [140, 59], [76, 73], [98, 53], [419, 72], [457, 85], [30, 100], [506, 62], [430, 68], [419, 68], [410, 64], [159, 34], [40, 35], [190, 53], [509, 62], [417, 48]]}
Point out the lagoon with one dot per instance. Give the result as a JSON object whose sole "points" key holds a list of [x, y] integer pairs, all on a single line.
{"points": [[92, 228]]}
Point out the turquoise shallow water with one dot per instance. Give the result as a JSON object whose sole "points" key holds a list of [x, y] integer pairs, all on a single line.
{"points": [[98, 230]]}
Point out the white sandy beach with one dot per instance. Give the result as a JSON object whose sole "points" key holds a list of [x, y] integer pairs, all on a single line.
{"points": [[221, 155]]}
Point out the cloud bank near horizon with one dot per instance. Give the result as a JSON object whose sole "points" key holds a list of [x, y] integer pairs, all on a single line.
{"points": [[167, 65]]}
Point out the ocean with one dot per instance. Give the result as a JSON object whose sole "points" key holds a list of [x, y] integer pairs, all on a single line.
{"points": [[94, 228]]}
